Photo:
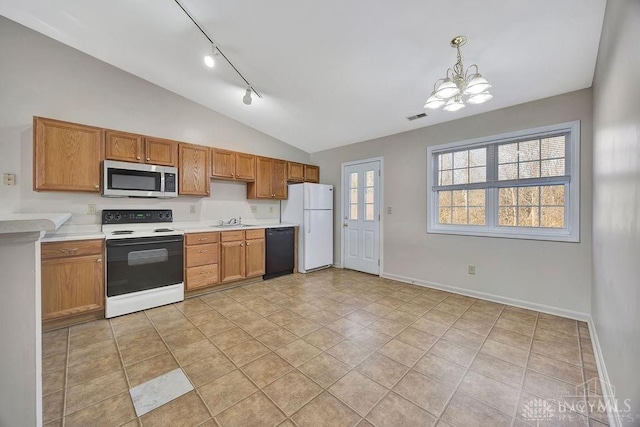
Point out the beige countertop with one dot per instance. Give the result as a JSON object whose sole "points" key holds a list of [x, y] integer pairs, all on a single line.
{"points": [[204, 226], [31, 222]]}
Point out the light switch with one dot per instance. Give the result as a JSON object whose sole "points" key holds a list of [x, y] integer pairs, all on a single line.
{"points": [[388, 210], [9, 178]]}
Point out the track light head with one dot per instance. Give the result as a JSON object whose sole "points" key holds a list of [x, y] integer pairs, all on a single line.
{"points": [[209, 59], [247, 97]]}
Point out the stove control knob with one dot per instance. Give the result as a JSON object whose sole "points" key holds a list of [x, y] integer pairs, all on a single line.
{"points": [[108, 217], [160, 215], [117, 217], [168, 216]]}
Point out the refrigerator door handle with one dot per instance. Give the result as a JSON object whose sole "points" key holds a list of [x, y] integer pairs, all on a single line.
{"points": [[309, 227]]}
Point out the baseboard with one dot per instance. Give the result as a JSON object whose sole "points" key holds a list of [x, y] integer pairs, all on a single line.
{"points": [[607, 389], [492, 297], [337, 265]]}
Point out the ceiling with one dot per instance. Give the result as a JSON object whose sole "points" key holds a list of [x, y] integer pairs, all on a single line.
{"points": [[332, 72]]}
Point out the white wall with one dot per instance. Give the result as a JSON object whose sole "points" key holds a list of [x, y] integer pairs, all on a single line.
{"points": [[548, 273], [616, 200], [42, 77]]}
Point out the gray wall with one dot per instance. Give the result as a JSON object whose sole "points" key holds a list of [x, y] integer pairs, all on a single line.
{"points": [[616, 200], [548, 273]]}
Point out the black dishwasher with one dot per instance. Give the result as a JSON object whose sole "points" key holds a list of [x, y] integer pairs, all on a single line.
{"points": [[280, 252]]}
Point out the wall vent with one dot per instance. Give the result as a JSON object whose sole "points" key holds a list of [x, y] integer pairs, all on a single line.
{"points": [[417, 116]]}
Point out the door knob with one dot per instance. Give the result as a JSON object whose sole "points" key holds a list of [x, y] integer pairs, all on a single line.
{"points": [[345, 225]]}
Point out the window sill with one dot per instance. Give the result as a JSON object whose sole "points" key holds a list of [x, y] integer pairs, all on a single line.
{"points": [[515, 233]]}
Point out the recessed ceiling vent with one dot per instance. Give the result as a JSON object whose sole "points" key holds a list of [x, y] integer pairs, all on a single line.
{"points": [[416, 117]]}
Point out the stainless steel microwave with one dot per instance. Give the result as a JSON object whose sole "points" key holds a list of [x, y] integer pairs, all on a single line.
{"points": [[124, 179]]}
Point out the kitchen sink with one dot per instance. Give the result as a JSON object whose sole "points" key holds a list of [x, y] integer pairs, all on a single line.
{"points": [[231, 226]]}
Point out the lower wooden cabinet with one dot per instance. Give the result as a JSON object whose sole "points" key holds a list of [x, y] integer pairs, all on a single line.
{"points": [[201, 260], [72, 278], [242, 255]]}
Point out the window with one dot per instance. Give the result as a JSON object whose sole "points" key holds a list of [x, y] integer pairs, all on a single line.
{"points": [[519, 185]]}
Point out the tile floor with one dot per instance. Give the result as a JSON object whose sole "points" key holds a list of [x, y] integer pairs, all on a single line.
{"points": [[331, 348]]}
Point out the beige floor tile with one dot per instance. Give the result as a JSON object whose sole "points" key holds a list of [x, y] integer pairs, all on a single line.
{"points": [[460, 300], [208, 369], [94, 391], [453, 352], [558, 352], [394, 410], [283, 317], [505, 352], [358, 392], [558, 324], [205, 317], [557, 338], [345, 327], [89, 333], [478, 317], [304, 309], [414, 308], [382, 369], [424, 392], [441, 369], [230, 338], [244, 317], [267, 369], [589, 361], [136, 338], [322, 317], [193, 352], [323, 338], [173, 326], [324, 369], [277, 338], [500, 370], [52, 406], [350, 352], [440, 316], [186, 337], [54, 423], [117, 410], [143, 351], [148, 369], [547, 387], [510, 338], [91, 351], [417, 338], [556, 369], [298, 352], [226, 391], [474, 327], [92, 369], [387, 327], [246, 352], [186, 410], [55, 342], [214, 328], [487, 307], [430, 326], [325, 411], [464, 338], [259, 327], [53, 381], [292, 391], [466, 411], [378, 309], [301, 327], [255, 410], [402, 317], [362, 317], [487, 390], [514, 326], [370, 338], [55, 362], [401, 352], [526, 317]]}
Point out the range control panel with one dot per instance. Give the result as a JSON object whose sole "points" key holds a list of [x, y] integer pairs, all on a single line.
{"points": [[135, 216]]}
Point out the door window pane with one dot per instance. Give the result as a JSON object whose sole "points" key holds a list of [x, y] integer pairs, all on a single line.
{"points": [[353, 196], [369, 196]]}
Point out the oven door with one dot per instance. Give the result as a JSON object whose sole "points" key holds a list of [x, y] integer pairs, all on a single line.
{"points": [[143, 263], [122, 179]]}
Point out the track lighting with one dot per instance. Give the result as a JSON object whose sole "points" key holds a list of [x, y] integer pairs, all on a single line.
{"points": [[209, 59], [247, 97]]}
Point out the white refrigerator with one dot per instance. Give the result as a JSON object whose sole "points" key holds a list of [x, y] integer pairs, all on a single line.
{"points": [[311, 207]]}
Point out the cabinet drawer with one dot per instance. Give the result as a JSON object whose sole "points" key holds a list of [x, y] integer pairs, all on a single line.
{"points": [[198, 277], [232, 236], [72, 248], [202, 254], [255, 234], [201, 238]]}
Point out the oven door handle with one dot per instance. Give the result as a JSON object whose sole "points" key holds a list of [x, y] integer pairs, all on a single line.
{"points": [[123, 242]]}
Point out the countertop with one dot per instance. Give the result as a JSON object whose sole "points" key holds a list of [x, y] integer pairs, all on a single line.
{"points": [[87, 232], [31, 222]]}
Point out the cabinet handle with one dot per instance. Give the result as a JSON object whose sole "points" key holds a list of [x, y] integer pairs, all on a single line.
{"points": [[203, 251], [137, 157], [99, 260], [203, 238], [148, 158], [241, 244], [69, 250], [237, 175], [203, 272], [96, 186], [247, 243]]}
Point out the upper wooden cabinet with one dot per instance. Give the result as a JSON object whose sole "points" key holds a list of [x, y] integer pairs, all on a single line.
{"points": [[295, 172], [67, 156], [227, 164], [131, 147], [311, 173], [193, 170], [271, 180]]}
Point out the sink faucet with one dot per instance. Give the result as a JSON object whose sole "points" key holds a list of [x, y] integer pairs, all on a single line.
{"points": [[235, 221]]}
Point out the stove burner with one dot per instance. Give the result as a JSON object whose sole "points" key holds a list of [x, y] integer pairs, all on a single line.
{"points": [[162, 230], [122, 232]]}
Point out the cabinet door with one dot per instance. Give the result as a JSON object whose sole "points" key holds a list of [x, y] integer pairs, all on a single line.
{"points": [[279, 179], [193, 170], [295, 172], [124, 147], [245, 167], [199, 277], [223, 164], [261, 188], [232, 259], [161, 152], [255, 254], [311, 173], [67, 156], [72, 285]]}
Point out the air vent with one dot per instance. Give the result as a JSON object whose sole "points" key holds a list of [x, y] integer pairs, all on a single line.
{"points": [[417, 116]]}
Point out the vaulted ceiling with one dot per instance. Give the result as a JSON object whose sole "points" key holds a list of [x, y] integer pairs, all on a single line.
{"points": [[332, 72]]}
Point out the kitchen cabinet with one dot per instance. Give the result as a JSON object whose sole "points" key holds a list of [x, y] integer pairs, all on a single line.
{"points": [[295, 172], [231, 165], [311, 173], [242, 255], [72, 278], [193, 170], [131, 147], [201, 260], [271, 180], [66, 156]]}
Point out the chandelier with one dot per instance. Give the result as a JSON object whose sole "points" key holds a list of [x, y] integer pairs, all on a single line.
{"points": [[459, 86]]}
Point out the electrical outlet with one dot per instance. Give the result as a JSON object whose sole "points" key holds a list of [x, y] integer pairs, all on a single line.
{"points": [[254, 209], [91, 209], [388, 210], [9, 178], [472, 270], [192, 209], [270, 209]]}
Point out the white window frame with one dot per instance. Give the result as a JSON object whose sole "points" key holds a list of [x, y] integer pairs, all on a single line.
{"points": [[571, 231]]}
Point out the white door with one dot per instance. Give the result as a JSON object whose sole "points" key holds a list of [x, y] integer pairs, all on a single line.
{"points": [[361, 217]]}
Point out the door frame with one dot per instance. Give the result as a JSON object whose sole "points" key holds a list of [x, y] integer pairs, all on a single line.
{"points": [[343, 208]]}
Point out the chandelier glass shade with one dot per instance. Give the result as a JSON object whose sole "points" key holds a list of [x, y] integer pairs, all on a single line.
{"points": [[459, 86]]}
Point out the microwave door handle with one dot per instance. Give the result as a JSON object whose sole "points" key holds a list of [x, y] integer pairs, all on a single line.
{"points": [[162, 181]]}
